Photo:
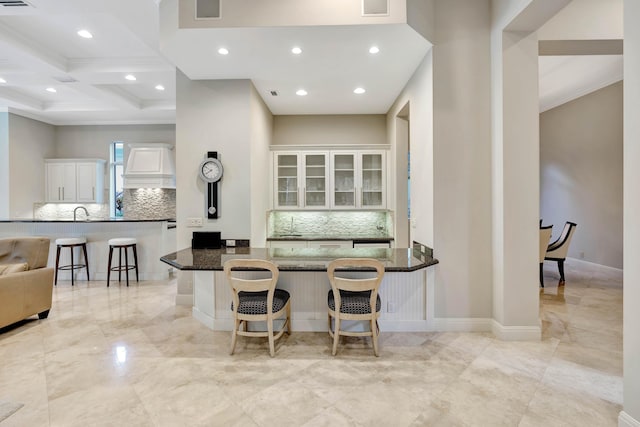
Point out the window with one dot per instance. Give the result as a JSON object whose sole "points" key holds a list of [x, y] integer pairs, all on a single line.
{"points": [[116, 180]]}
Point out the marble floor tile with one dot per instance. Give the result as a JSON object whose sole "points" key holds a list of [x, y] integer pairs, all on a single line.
{"points": [[130, 356]]}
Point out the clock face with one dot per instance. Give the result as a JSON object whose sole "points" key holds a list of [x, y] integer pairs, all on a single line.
{"points": [[210, 170]]}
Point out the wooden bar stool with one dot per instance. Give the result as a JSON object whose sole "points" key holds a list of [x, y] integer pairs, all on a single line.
{"points": [[121, 244], [71, 242]]}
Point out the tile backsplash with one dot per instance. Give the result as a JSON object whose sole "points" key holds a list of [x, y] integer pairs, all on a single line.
{"points": [[65, 210], [335, 223], [149, 203]]}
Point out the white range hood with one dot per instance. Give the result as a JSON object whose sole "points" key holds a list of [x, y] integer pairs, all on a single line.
{"points": [[150, 166]]}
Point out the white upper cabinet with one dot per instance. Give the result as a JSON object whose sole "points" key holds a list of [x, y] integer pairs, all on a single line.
{"points": [[329, 179], [359, 180], [61, 181], [74, 180], [301, 180]]}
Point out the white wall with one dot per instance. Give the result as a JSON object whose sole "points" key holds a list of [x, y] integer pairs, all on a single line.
{"points": [[30, 141], [4, 164], [631, 388], [329, 129], [213, 115], [585, 20], [261, 125], [418, 92], [462, 158], [263, 13], [581, 173], [94, 141]]}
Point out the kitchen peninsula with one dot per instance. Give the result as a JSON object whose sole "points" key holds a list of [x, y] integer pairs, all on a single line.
{"points": [[155, 237], [404, 289]]}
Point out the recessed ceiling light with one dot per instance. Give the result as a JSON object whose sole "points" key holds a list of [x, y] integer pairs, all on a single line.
{"points": [[51, 89], [2, 80], [159, 87], [374, 49], [130, 77], [359, 90], [296, 50], [85, 34], [223, 51], [301, 92]]}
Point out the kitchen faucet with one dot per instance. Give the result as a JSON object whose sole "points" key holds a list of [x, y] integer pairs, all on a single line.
{"points": [[76, 210]]}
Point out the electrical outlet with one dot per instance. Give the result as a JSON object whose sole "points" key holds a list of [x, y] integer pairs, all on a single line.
{"points": [[391, 307], [194, 222], [231, 243]]}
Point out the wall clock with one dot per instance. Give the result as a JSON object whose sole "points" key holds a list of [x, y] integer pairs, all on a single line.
{"points": [[210, 171]]}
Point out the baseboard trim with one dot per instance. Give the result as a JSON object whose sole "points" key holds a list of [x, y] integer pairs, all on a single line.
{"points": [[462, 324], [589, 263], [516, 333], [184, 299], [626, 420], [404, 326]]}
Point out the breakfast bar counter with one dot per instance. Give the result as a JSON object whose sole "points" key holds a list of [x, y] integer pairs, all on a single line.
{"points": [[406, 295]]}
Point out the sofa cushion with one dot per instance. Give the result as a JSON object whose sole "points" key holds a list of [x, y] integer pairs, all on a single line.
{"points": [[13, 268]]}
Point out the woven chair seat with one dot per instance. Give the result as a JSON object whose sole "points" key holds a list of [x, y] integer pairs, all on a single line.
{"points": [[256, 302], [353, 302]]}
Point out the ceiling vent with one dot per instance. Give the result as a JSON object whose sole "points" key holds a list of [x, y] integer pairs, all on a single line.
{"points": [[375, 7], [14, 3], [65, 79], [208, 9]]}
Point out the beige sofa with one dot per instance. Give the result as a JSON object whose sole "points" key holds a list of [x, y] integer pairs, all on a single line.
{"points": [[26, 285]]}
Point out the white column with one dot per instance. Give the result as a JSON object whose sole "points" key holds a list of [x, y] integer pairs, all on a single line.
{"points": [[630, 416]]}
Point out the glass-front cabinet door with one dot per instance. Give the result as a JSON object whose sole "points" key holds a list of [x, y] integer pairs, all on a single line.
{"points": [[287, 177], [343, 168], [316, 178], [371, 180]]}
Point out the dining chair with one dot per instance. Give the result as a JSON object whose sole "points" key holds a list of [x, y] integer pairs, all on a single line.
{"points": [[354, 298], [257, 300], [557, 251], [545, 236]]}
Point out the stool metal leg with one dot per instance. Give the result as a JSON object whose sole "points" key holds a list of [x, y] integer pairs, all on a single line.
{"points": [[119, 264], [55, 282], [109, 266], [126, 261], [86, 260], [72, 264], [135, 261]]}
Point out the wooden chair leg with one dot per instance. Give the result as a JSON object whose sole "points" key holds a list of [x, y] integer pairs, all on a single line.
{"points": [[272, 349], [374, 336], [541, 276], [234, 336], [120, 264], [289, 318], [336, 336]]}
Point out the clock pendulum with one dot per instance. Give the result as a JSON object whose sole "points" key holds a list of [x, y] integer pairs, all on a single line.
{"points": [[210, 171]]}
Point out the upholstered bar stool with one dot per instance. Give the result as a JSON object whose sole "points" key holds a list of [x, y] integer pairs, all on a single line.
{"points": [[122, 244], [71, 243]]}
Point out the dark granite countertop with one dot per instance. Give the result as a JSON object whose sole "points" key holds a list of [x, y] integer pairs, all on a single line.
{"points": [[89, 221], [303, 259], [355, 237]]}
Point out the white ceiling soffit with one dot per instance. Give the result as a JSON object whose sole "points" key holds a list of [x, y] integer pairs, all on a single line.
{"points": [[334, 61], [564, 78]]}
